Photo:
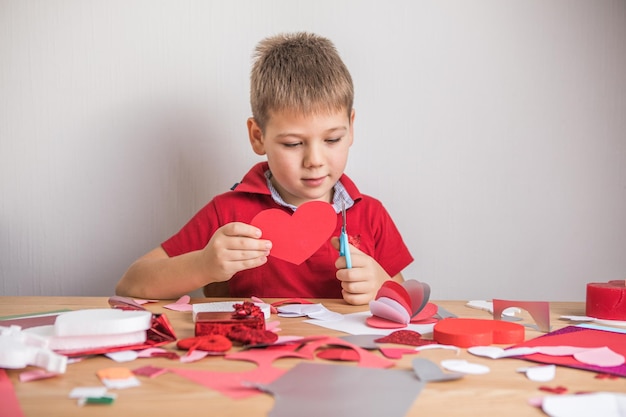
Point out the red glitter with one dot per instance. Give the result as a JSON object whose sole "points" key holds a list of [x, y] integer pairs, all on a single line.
{"points": [[405, 337]]}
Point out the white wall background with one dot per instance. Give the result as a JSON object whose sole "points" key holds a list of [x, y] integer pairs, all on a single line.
{"points": [[494, 132]]}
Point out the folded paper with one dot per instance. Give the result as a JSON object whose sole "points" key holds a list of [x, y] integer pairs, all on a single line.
{"points": [[398, 304]]}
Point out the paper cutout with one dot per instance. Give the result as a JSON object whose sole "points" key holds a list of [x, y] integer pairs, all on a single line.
{"points": [[365, 341], [464, 367], [339, 354], [580, 337], [366, 359], [602, 356], [196, 355], [396, 353], [464, 332], [35, 375], [355, 323], [122, 355], [603, 404], [314, 311], [149, 371], [437, 346], [495, 352], [296, 237], [118, 378], [339, 390], [618, 323], [83, 392], [508, 314], [10, 403], [543, 373], [538, 310], [266, 356], [397, 304], [236, 385], [428, 371], [182, 304]]}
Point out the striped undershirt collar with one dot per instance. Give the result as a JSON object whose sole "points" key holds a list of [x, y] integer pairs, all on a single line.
{"points": [[340, 195]]}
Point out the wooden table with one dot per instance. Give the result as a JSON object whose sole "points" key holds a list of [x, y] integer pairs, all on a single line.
{"points": [[502, 392]]}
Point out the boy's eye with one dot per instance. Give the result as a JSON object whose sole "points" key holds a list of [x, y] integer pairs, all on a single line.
{"points": [[292, 145], [333, 140]]}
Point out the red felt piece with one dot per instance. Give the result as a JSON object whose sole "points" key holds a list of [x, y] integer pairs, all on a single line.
{"points": [[606, 300], [339, 354], [296, 237], [464, 332]]}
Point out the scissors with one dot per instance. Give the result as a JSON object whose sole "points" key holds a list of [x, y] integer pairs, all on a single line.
{"points": [[344, 249]]}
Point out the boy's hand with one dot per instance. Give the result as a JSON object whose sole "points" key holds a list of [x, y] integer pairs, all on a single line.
{"points": [[361, 282], [234, 247]]}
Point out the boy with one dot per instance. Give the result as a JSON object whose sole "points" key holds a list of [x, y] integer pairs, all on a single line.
{"points": [[301, 96]]}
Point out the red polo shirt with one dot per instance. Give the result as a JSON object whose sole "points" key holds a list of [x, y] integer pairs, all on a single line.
{"points": [[370, 228]]}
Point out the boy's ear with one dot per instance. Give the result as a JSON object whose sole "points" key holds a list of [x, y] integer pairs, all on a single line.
{"points": [[352, 113], [255, 134]]}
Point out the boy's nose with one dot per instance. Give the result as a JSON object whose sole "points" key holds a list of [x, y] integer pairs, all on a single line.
{"points": [[314, 156]]}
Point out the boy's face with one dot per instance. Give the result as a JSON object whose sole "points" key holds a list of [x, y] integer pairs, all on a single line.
{"points": [[307, 154]]}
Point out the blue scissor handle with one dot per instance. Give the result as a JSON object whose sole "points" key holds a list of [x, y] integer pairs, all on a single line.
{"points": [[344, 249]]}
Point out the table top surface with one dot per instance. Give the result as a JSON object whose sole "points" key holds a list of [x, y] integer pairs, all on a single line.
{"points": [[501, 392]]}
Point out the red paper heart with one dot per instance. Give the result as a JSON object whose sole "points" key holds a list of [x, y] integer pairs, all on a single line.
{"points": [[295, 238]]}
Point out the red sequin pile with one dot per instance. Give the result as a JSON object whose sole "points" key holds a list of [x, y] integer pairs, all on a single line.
{"points": [[247, 310]]}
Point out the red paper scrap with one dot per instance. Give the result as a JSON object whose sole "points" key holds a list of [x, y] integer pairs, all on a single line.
{"points": [[10, 404]]}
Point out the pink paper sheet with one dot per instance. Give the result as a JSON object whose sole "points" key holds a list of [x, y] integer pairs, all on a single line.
{"points": [[10, 404]]}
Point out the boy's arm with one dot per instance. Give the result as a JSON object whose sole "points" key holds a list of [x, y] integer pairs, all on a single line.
{"points": [[232, 248], [156, 275]]}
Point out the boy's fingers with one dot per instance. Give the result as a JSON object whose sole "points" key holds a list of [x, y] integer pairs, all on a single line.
{"points": [[241, 229]]}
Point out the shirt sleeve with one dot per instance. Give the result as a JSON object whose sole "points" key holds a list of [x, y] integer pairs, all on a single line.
{"points": [[195, 234]]}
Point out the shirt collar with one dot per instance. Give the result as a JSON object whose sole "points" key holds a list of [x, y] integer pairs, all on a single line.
{"points": [[340, 196]]}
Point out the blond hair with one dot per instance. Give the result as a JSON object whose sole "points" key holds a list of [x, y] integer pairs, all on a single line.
{"points": [[300, 72]]}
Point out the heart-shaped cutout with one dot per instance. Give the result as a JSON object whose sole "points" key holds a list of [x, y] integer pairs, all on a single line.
{"points": [[602, 356], [296, 237]]}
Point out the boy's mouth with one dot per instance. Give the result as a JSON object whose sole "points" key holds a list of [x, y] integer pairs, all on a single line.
{"points": [[313, 182]]}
